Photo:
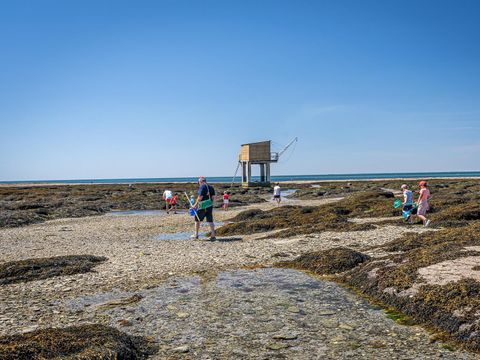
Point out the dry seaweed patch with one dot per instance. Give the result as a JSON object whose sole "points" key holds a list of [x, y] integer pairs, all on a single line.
{"points": [[327, 262], [44, 268], [295, 220], [77, 342]]}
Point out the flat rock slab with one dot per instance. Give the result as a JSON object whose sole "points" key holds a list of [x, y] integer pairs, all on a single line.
{"points": [[249, 314]]}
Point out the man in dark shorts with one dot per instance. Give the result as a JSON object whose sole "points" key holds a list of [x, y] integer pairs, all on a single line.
{"points": [[206, 194]]}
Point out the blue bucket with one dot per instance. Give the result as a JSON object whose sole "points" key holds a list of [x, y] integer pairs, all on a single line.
{"points": [[192, 212]]}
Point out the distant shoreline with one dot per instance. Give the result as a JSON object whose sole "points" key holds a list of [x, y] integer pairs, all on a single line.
{"points": [[290, 181]]}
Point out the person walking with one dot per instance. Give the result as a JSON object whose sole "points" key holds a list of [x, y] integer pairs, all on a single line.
{"points": [[226, 200], [407, 205], [204, 207], [422, 203], [277, 193], [173, 203]]}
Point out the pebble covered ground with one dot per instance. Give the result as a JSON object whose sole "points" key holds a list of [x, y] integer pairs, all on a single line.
{"points": [[260, 314], [195, 301]]}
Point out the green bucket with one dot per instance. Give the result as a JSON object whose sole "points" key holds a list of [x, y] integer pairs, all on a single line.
{"points": [[397, 203]]}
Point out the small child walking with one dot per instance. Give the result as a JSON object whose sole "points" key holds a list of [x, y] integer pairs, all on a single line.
{"points": [[407, 205], [173, 203], [422, 203], [226, 200]]}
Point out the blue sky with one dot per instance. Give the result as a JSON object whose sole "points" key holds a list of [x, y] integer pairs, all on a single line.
{"points": [[118, 89]]}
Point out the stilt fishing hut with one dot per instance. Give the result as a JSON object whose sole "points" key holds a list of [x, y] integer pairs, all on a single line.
{"points": [[258, 153]]}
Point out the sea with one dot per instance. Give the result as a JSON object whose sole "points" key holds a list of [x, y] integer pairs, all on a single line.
{"points": [[274, 178]]}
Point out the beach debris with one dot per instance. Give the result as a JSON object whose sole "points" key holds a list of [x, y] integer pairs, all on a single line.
{"points": [[120, 302]]}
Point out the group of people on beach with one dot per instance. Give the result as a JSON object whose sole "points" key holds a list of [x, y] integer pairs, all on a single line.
{"points": [[421, 207], [201, 207], [171, 200]]}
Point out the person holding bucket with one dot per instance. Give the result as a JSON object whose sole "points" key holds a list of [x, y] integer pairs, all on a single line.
{"points": [[407, 204], [203, 207]]}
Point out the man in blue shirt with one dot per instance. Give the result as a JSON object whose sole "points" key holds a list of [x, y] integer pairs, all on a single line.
{"points": [[204, 206]]}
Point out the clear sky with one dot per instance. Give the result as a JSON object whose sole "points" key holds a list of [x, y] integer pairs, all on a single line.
{"points": [[118, 89]]}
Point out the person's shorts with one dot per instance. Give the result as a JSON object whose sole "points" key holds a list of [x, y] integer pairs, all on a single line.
{"points": [[408, 210], [422, 209], [169, 200], [205, 213], [225, 201], [276, 196]]}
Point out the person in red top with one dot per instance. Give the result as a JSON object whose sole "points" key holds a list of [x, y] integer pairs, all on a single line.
{"points": [[173, 203], [226, 199]]}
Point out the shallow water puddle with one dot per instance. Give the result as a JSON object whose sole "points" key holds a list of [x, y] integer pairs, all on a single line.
{"points": [[186, 235], [137, 213], [261, 313], [288, 192], [181, 235]]}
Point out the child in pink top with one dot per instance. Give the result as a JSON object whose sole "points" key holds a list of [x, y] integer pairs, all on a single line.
{"points": [[422, 203]]}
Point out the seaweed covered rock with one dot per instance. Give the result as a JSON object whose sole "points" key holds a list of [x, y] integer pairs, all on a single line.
{"points": [[460, 237], [295, 220], [76, 342], [432, 280], [327, 262], [457, 215], [248, 215], [23, 205], [44, 268]]}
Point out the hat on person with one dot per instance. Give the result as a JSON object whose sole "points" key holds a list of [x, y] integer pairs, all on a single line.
{"points": [[404, 186], [422, 183]]}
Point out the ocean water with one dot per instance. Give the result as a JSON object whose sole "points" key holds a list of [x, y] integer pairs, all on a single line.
{"points": [[228, 179]]}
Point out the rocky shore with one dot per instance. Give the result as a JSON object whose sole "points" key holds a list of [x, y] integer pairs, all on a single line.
{"points": [[224, 299]]}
